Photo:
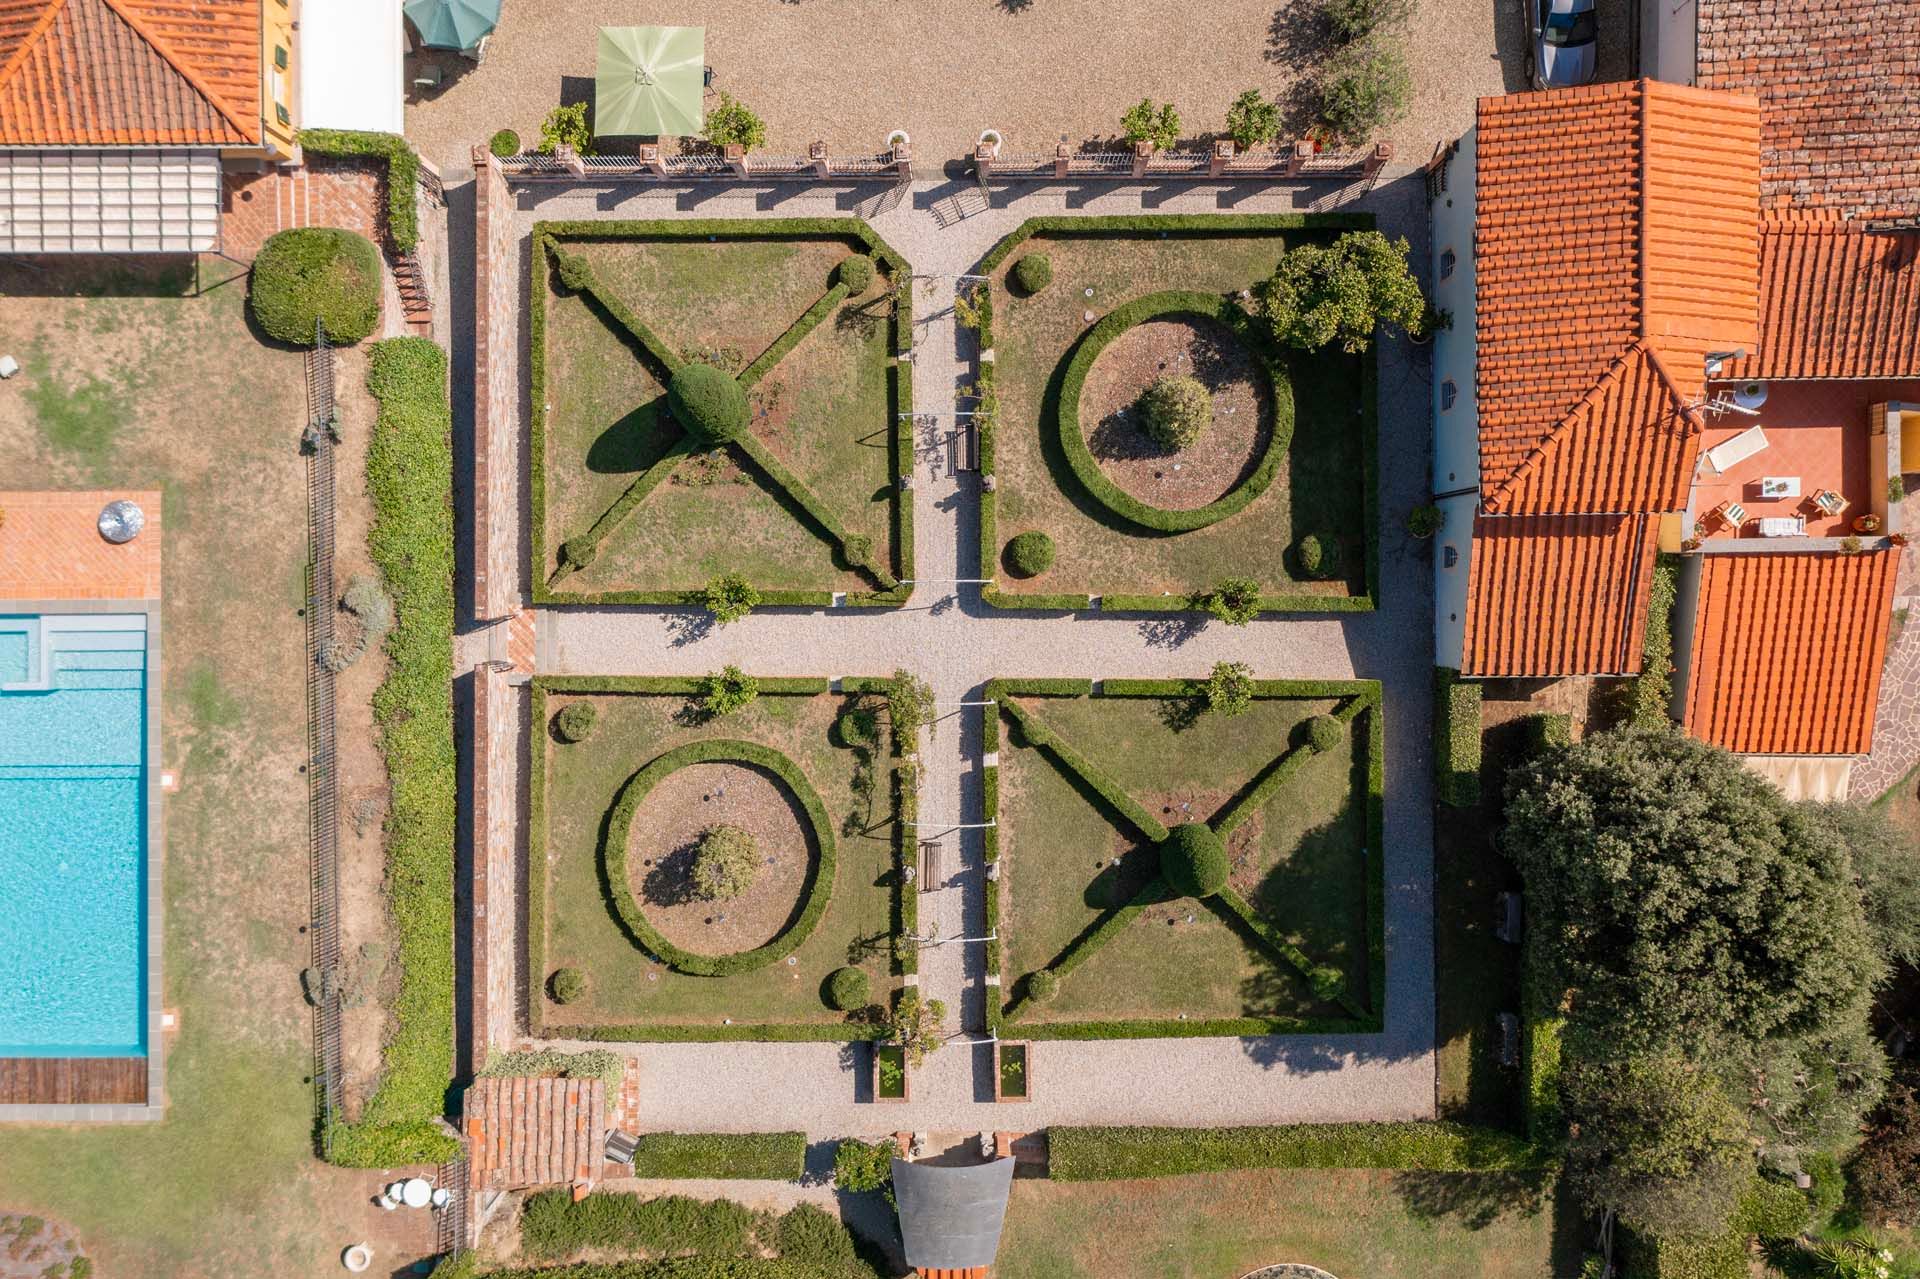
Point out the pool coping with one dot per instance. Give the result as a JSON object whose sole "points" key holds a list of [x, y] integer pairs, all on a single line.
{"points": [[155, 1107]]}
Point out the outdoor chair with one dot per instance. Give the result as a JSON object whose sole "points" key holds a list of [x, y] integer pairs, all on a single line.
{"points": [[706, 79]]}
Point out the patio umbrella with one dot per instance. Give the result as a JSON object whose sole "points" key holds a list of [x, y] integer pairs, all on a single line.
{"points": [[649, 80], [453, 24]]}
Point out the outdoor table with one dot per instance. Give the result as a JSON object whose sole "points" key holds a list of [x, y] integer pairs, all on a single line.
{"points": [[417, 1193]]}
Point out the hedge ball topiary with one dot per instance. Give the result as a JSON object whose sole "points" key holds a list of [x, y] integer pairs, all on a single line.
{"points": [[848, 989], [504, 143], [1324, 733], [1043, 985], [1030, 554], [576, 273], [578, 552], [574, 723], [1178, 411], [727, 863], [567, 985], [316, 273], [1033, 272], [856, 273], [1319, 556], [1194, 860], [859, 727], [708, 403]]}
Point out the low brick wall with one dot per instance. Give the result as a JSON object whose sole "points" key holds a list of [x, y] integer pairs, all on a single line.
{"points": [[496, 394]]}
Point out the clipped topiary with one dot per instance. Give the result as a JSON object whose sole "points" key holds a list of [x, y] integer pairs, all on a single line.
{"points": [[1178, 411], [848, 988], [1033, 272], [1318, 556], [708, 403], [578, 552], [858, 727], [1324, 733], [567, 985], [576, 273], [1327, 983], [504, 143], [574, 723], [1194, 861], [1043, 985], [856, 273], [726, 863], [313, 274], [1030, 554]]}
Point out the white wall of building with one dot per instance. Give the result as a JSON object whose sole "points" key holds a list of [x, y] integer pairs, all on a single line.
{"points": [[1456, 419], [352, 66], [1669, 35]]}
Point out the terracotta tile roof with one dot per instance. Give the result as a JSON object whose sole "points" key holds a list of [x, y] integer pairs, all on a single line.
{"points": [[535, 1132], [1836, 301], [1837, 82], [976, 1272], [1787, 650], [130, 72], [1627, 267], [1558, 595]]}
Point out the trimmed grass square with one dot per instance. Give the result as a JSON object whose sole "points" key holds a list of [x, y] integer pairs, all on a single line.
{"points": [[1079, 891], [1324, 483], [576, 922], [808, 504]]}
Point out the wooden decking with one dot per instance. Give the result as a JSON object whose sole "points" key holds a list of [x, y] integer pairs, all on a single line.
{"points": [[73, 1081]]}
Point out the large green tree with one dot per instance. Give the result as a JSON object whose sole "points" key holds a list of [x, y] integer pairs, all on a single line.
{"points": [[1679, 898], [1886, 861], [1341, 292], [1808, 1096]]}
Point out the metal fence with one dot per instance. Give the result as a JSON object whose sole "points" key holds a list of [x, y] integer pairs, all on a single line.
{"points": [[650, 166]]}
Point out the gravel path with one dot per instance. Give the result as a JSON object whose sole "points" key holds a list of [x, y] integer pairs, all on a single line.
{"points": [[948, 638]]}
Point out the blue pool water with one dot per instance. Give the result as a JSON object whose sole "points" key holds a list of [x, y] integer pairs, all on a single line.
{"points": [[73, 846]]}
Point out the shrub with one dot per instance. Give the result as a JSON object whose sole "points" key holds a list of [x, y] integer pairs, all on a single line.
{"points": [[566, 124], [858, 727], [849, 988], [402, 169], [504, 143], [567, 985], [1885, 1170], [1340, 292], [1230, 688], [1325, 733], [1352, 20], [733, 123], [1033, 272], [910, 708], [1649, 692], [316, 274], [1194, 861], [576, 273], [553, 1224], [1456, 735], [1178, 411], [1236, 601], [810, 1235], [727, 690], [1104, 1154], [1851, 544], [578, 552], [1425, 521], [731, 1156], [574, 723], [729, 598], [1318, 556], [708, 403], [595, 1063], [859, 1167], [1252, 120], [915, 1024], [726, 864], [1363, 89], [1042, 985], [855, 274], [1030, 554], [1143, 122]]}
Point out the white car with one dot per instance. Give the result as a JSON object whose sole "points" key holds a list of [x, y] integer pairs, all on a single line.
{"points": [[1564, 36]]}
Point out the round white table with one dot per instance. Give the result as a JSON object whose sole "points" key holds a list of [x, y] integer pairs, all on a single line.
{"points": [[417, 1193]]}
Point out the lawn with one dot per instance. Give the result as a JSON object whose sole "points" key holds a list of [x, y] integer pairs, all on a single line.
{"points": [[127, 382], [1356, 1225], [807, 504], [1324, 482], [1080, 894], [632, 994]]}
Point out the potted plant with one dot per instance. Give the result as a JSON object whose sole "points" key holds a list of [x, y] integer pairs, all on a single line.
{"points": [[1867, 523], [1013, 1071], [890, 1081]]}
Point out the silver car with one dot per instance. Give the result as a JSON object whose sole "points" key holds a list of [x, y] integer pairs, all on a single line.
{"points": [[1564, 34]]}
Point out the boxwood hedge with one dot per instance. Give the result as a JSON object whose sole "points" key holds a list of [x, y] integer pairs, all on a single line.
{"points": [[731, 1156], [1456, 738], [403, 173], [1111, 1153]]}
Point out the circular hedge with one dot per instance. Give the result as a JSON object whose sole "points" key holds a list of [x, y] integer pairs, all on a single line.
{"points": [[1324, 733], [708, 403], [1042, 985], [1178, 410], [613, 856], [567, 985], [1194, 860], [504, 143], [1086, 468], [856, 273], [316, 273], [1033, 272], [1030, 554], [574, 723], [1318, 556], [848, 989]]}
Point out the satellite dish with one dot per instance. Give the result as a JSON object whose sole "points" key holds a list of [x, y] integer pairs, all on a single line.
{"points": [[1750, 395]]}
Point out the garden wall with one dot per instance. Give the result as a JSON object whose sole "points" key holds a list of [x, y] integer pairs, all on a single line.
{"points": [[496, 774], [496, 393]]}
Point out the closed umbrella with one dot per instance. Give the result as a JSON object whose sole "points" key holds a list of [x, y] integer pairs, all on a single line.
{"points": [[453, 24], [649, 80]]}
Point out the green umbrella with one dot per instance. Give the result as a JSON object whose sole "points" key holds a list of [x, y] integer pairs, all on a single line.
{"points": [[649, 80], [453, 24]]}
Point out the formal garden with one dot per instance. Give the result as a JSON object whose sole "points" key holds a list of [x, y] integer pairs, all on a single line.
{"points": [[719, 399], [715, 858], [1185, 857], [1179, 413]]}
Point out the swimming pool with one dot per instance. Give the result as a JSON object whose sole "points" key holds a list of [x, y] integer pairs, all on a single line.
{"points": [[73, 835]]}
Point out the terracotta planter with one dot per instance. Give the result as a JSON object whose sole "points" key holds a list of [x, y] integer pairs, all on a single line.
{"points": [[885, 1087], [1013, 1071]]}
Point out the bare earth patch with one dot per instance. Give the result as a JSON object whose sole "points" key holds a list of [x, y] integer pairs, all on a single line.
{"points": [[1115, 428], [666, 833]]}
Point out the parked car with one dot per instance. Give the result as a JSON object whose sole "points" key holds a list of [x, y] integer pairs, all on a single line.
{"points": [[1564, 37]]}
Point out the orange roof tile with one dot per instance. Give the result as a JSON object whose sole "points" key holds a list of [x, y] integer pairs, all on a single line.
{"points": [[1558, 595], [534, 1132], [1836, 301], [130, 72], [1629, 267], [1787, 650], [976, 1272]]}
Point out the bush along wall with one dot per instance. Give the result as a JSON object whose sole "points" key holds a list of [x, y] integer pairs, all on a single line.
{"points": [[730, 1156], [410, 481], [403, 174], [1112, 1153], [1456, 739]]}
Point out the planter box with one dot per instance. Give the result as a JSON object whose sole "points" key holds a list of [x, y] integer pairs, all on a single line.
{"points": [[887, 1085], [1012, 1071]]}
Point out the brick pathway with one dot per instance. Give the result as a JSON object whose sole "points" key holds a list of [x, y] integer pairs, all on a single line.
{"points": [[256, 206], [51, 548]]}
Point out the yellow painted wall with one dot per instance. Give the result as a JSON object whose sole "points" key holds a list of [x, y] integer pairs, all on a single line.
{"points": [[277, 89]]}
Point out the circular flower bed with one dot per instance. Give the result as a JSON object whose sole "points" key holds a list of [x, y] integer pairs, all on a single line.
{"points": [[819, 884]]}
